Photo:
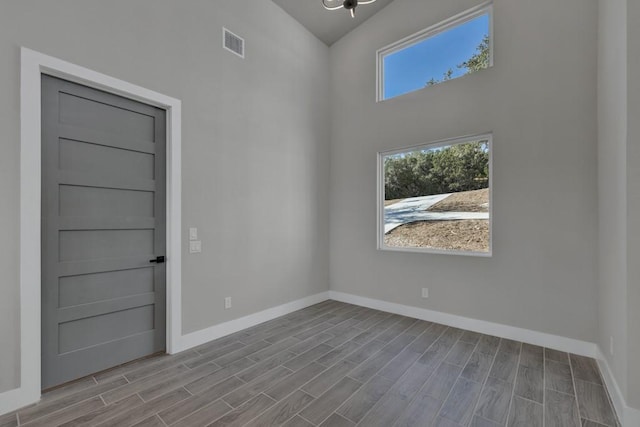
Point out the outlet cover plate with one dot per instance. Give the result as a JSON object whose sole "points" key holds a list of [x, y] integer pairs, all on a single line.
{"points": [[195, 247], [193, 233]]}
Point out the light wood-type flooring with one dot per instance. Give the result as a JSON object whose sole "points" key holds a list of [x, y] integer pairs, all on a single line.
{"points": [[336, 364]]}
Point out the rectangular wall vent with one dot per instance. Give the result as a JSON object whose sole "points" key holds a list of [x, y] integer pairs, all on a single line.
{"points": [[233, 43]]}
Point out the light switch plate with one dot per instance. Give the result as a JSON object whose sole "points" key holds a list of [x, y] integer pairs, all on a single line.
{"points": [[195, 247], [193, 233]]}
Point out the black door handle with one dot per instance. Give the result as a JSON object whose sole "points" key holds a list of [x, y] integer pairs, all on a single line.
{"points": [[158, 260]]}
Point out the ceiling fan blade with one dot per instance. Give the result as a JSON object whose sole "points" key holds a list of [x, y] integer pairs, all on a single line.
{"points": [[332, 4]]}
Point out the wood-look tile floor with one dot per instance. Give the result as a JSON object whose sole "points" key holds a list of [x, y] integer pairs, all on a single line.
{"points": [[336, 364]]}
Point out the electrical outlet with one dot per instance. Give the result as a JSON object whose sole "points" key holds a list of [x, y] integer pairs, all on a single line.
{"points": [[195, 247], [193, 233], [425, 292], [227, 303], [611, 345]]}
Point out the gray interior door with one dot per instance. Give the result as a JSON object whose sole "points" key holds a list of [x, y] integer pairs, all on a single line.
{"points": [[103, 221]]}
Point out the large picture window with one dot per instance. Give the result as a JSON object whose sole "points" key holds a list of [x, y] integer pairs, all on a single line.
{"points": [[448, 50], [437, 197]]}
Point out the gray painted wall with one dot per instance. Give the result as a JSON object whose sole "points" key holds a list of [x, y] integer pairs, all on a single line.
{"points": [[612, 184], [633, 167], [540, 102], [619, 191], [255, 141]]}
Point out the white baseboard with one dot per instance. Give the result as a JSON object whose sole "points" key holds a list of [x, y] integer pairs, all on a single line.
{"points": [[17, 398], [203, 336], [629, 417], [556, 342]]}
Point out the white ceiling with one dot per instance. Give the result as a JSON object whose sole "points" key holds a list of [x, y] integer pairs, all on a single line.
{"points": [[328, 26]]}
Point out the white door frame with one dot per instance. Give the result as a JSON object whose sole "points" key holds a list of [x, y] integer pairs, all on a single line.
{"points": [[33, 65]]}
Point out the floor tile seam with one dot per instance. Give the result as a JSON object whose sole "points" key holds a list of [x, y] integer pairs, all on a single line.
{"points": [[346, 417], [298, 388], [198, 409], [417, 359], [488, 420], [364, 416], [597, 422], [484, 382], [157, 361], [200, 355], [143, 379], [425, 333], [402, 332], [530, 400], [314, 360], [590, 382], [334, 411], [161, 420], [411, 342], [609, 401], [444, 401], [64, 407], [321, 373], [371, 379], [575, 391], [232, 409], [324, 331], [293, 330], [46, 401], [249, 383], [390, 361], [560, 392], [379, 321], [513, 387], [246, 356], [275, 354], [264, 411], [174, 388], [329, 367], [368, 358], [115, 415], [309, 421], [435, 369]]}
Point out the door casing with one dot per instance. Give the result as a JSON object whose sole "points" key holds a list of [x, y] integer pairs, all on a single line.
{"points": [[33, 65]]}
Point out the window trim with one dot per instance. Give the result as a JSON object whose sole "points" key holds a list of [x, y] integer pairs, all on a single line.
{"points": [[459, 19], [430, 145]]}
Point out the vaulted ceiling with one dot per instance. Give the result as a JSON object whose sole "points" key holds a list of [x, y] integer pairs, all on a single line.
{"points": [[328, 26]]}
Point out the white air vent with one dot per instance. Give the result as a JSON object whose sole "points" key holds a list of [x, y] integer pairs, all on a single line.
{"points": [[233, 43]]}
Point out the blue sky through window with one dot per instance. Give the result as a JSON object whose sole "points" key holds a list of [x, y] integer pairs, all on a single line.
{"points": [[411, 68]]}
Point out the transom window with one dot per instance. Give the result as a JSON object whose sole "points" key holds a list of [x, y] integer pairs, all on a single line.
{"points": [[458, 46]]}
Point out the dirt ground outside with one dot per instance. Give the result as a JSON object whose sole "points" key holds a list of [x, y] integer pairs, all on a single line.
{"points": [[464, 235], [465, 201], [391, 202]]}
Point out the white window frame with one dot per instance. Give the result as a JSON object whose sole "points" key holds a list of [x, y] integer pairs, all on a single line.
{"points": [[431, 145], [420, 36]]}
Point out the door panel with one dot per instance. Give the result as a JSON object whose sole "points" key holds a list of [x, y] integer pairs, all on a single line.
{"points": [[90, 288], [92, 202], [80, 156], [103, 220]]}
